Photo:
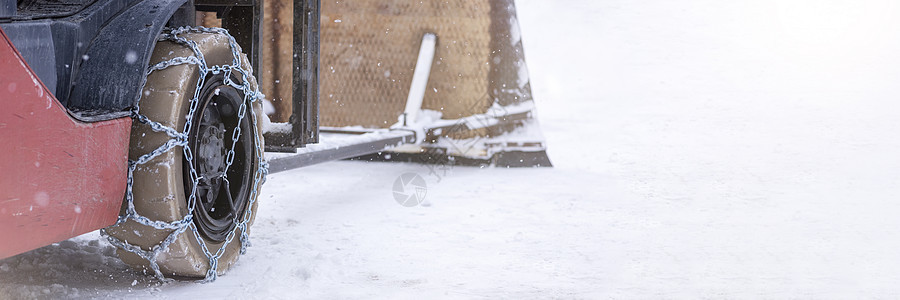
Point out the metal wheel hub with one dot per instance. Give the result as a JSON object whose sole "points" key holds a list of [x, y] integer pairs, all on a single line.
{"points": [[223, 189]]}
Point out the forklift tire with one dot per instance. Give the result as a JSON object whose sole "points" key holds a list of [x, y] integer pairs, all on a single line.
{"points": [[162, 186]]}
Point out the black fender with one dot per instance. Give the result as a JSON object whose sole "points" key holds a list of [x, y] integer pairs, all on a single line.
{"points": [[109, 81]]}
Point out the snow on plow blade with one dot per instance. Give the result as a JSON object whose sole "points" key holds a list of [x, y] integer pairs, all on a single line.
{"points": [[477, 105]]}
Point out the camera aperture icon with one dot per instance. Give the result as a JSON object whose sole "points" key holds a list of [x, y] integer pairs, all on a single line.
{"points": [[410, 189]]}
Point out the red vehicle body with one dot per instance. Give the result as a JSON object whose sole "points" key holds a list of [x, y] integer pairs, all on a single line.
{"points": [[61, 177]]}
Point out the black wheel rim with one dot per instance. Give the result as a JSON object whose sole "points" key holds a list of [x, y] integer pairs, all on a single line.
{"points": [[223, 191]]}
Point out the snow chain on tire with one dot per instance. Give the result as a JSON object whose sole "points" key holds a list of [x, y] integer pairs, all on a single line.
{"points": [[179, 138]]}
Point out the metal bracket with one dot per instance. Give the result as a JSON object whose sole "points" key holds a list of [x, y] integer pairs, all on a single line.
{"points": [[242, 19], [304, 119]]}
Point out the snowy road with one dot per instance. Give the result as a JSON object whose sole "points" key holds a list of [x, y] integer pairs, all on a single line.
{"points": [[718, 149]]}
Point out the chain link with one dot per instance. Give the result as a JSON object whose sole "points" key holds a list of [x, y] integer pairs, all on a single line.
{"points": [[179, 139]]}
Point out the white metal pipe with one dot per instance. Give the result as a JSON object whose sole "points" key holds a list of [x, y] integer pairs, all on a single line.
{"points": [[420, 78]]}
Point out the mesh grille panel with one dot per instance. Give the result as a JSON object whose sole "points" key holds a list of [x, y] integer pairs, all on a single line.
{"points": [[369, 51]]}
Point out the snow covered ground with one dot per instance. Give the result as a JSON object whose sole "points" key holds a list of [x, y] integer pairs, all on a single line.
{"points": [[703, 148]]}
